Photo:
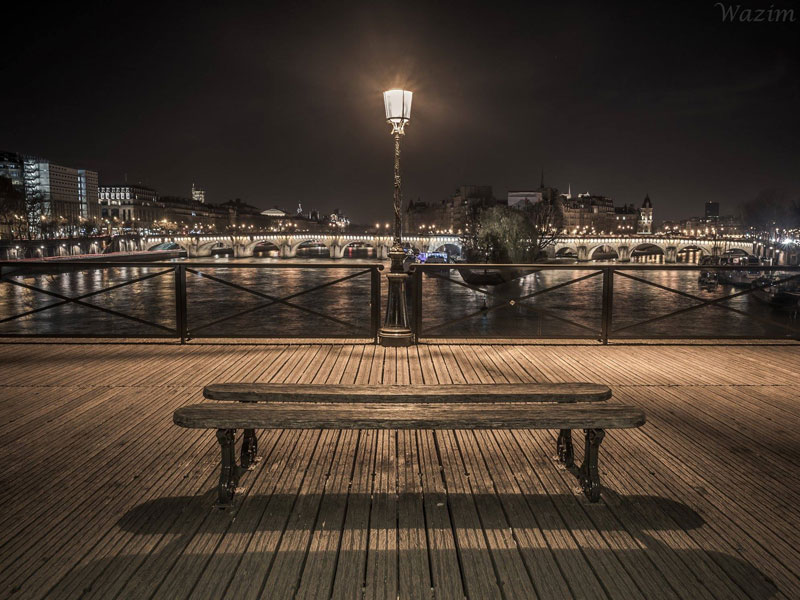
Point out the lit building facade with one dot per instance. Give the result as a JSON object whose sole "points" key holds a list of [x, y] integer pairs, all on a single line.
{"points": [[88, 191], [645, 224], [198, 195], [56, 192], [586, 213], [11, 168], [130, 203], [453, 215]]}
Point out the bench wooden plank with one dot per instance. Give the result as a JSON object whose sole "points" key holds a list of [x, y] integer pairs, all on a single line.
{"points": [[528, 392], [408, 416]]}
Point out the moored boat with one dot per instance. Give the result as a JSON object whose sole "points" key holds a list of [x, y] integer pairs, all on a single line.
{"points": [[489, 276]]}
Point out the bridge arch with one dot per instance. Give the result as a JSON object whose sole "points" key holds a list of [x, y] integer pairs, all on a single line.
{"points": [[701, 249], [208, 248], [262, 247], [367, 242], [170, 245], [606, 248], [562, 249], [747, 249]]}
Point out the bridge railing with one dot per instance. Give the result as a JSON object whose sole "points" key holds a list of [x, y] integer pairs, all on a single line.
{"points": [[182, 300], [605, 302]]}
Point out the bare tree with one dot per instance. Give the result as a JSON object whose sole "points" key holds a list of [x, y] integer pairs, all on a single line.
{"points": [[501, 234], [11, 205]]}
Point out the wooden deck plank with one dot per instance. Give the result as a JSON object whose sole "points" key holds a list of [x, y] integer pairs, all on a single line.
{"points": [[477, 565], [380, 580], [316, 580], [284, 575], [351, 563], [413, 564], [247, 578], [445, 566]]}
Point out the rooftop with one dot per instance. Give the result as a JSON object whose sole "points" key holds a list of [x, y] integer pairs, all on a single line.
{"points": [[103, 497]]}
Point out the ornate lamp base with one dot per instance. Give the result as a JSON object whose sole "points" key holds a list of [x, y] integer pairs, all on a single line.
{"points": [[395, 330]]}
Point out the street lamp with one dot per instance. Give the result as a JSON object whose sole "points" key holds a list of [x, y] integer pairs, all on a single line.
{"points": [[395, 330]]}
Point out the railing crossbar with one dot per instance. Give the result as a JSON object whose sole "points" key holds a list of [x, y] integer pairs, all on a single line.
{"points": [[552, 315], [78, 300], [82, 297], [275, 300], [703, 302], [520, 299]]}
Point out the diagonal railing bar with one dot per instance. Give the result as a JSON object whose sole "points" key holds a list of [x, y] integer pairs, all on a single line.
{"points": [[82, 297], [276, 300], [704, 302], [551, 314], [536, 293], [110, 311], [457, 282], [483, 311]]}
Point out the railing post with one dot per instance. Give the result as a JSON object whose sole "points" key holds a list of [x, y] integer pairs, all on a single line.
{"points": [[417, 304], [181, 320], [608, 302], [375, 303]]}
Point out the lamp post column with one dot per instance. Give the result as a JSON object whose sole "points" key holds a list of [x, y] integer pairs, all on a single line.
{"points": [[396, 330]]}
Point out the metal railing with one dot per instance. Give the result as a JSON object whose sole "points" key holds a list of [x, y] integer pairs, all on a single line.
{"points": [[607, 315], [184, 300], [183, 308]]}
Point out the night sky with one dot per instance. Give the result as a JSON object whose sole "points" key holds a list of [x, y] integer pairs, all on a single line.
{"points": [[279, 105]]}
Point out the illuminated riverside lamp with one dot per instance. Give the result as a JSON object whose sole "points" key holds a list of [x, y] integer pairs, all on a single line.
{"points": [[395, 330]]}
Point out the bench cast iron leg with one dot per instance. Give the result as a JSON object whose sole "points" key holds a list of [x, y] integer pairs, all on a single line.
{"points": [[228, 475], [590, 478], [564, 448], [249, 449]]}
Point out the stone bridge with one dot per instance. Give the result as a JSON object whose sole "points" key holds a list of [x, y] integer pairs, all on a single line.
{"points": [[586, 247], [287, 245]]}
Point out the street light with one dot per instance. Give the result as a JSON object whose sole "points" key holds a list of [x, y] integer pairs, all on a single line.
{"points": [[395, 330]]}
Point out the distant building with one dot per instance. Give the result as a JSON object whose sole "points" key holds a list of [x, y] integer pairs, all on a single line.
{"points": [[452, 215], [592, 213], [627, 219], [186, 213], [88, 194], [130, 203], [274, 212], [11, 167], [645, 224], [58, 192], [588, 213], [712, 209], [51, 193], [523, 199], [338, 220], [198, 195]]}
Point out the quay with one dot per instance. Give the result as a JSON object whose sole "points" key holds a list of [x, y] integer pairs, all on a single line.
{"points": [[103, 497]]}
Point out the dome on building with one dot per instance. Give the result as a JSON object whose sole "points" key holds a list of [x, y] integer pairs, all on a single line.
{"points": [[647, 203], [273, 212]]}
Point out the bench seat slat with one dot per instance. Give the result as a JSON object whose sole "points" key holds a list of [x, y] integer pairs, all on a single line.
{"points": [[408, 416], [507, 392]]}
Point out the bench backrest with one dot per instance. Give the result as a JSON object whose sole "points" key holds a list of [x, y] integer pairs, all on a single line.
{"points": [[503, 392]]}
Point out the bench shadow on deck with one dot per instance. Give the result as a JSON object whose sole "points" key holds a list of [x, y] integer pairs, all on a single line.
{"points": [[102, 497]]}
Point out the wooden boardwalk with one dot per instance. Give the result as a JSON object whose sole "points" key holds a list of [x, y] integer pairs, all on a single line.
{"points": [[102, 497]]}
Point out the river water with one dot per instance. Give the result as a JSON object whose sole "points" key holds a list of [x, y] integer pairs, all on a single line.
{"points": [[342, 308]]}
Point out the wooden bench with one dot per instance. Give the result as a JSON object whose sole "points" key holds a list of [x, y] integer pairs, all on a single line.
{"points": [[564, 406]]}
